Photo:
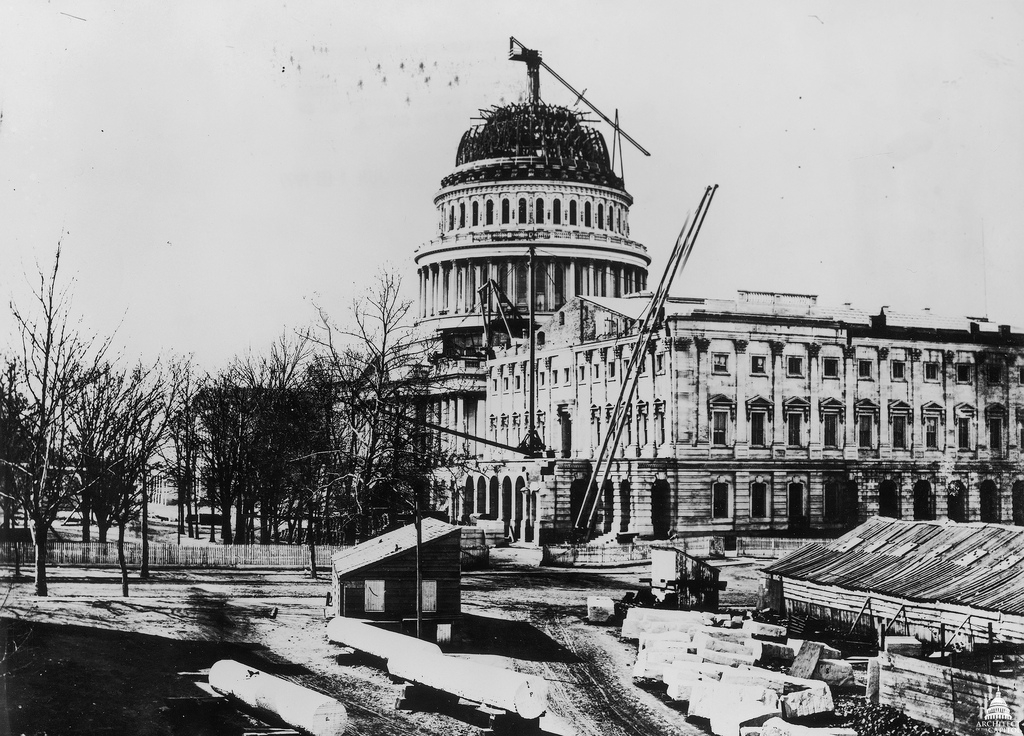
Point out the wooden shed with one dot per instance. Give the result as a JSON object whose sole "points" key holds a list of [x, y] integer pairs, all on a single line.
{"points": [[377, 579], [939, 581]]}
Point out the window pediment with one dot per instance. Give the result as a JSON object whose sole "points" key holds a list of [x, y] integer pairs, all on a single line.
{"points": [[995, 410], [932, 409], [866, 406], [797, 404], [965, 409], [899, 407]]}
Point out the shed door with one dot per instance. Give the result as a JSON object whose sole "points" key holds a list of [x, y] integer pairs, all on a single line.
{"points": [[373, 596], [429, 596]]}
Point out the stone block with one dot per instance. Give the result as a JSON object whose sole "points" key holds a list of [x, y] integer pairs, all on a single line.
{"points": [[772, 651], [779, 727], [874, 673], [646, 639], [682, 689], [826, 651], [737, 636], [908, 646], [836, 672], [703, 641], [753, 678], [728, 659], [771, 632], [743, 716], [679, 671], [645, 669], [809, 702], [600, 609], [714, 700]]}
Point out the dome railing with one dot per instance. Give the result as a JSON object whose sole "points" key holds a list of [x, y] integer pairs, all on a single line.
{"points": [[530, 233]]}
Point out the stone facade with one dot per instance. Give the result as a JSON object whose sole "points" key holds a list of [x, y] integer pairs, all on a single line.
{"points": [[767, 414]]}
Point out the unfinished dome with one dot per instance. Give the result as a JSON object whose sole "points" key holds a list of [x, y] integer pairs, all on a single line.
{"points": [[533, 140]]}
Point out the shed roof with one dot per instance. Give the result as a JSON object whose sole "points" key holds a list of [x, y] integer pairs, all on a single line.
{"points": [[976, 565], [388, 545]]}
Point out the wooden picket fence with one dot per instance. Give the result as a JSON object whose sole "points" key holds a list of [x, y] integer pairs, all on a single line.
{"points": [[770, 547]]}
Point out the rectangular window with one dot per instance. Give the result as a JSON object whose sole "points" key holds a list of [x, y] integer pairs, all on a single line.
{"points": [[963, 433], [931, 371], [758, 420], [659, 362], [899, 370], [373, 596], [494, 385], [758, 365], [831, 430], [611, 369], [830, 367], [864, 369], [758, 500], [583, 373], [995, 434], [864, 430], [566, 377], [719, 426], [540, 377], [720, 363], [428, 595], [597, 371], [963, 372], [794, 424], [931, 433], [504, 384], [794, 365], [519, 383], [720, 501], [994, 373], [899, 432], [832, 501]]}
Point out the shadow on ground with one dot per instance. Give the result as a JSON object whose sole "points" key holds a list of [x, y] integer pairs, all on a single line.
{"points": [[507, 638]]}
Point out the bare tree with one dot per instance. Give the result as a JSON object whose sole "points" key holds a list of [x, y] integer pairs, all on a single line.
{"points": [[55, 361], [181, 453]]}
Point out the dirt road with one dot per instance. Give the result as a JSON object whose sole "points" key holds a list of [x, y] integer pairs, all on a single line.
{"points": [[516, 614]]}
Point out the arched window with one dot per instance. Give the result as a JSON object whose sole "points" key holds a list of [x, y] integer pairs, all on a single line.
{"points": [[888, 500], [462, 214], [504, 211], [539, 213], [923, 501], [476, 213], [572, 212], [489, 212], [600, 216], [990, 511], [451, 218], [522, 210], [556, 212], [956, 501], [586, 214]]}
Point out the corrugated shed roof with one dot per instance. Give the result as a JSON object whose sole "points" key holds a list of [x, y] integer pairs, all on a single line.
{"points": [[979, 565], [388, 545]]}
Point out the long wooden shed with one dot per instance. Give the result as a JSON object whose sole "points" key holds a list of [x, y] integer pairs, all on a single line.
{"points": [[377, 579], [937, 580]]}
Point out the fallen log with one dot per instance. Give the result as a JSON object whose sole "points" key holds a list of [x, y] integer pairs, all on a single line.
{"points": [[308, 710], [374, 641], [515, 692]]}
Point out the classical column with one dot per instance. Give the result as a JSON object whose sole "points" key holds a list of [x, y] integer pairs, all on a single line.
{"points": [[814, 381], [884, 430], [742, 446], [778, 428], [701, 411], [850, 395]]}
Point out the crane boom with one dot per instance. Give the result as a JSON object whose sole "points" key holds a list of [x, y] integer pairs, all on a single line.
{"points": [[652, 316]]}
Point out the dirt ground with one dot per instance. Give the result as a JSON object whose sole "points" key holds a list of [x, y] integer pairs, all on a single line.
{"points": [[85, 660]]}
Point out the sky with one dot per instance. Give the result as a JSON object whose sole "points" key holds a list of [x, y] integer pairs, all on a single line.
{"points": [[213, 170]]}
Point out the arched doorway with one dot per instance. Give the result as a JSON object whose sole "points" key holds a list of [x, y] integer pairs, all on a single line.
{"points": [[625, 494], [519, 493], [467, 500], [506, 502], [797, 513], [1018, 503], [923, 508], [989, 502], [661, 505], [608, 508], [492, 501], [956, 501], [888, 500], [577, 494], [481, 496]]}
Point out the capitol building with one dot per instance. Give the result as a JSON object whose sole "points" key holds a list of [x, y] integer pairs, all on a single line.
{"points": [[766, 413]]}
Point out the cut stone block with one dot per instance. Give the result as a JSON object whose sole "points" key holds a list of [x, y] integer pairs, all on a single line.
{"points": [[779, 727], [826, 651], [600, 609], [772, 651], [683, 689], [646, 639], [646, 669], [679, 671], [703, 641], [651, 620], [728, 659], [745, 715], [737, 636], [836, 672], [804, 703], [908, 646], [751, 678], [765, 631], [712, 700], [874, 673], [806, 659]]}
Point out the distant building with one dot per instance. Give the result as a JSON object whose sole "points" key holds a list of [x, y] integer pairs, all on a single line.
{"points": [[377, 579]]}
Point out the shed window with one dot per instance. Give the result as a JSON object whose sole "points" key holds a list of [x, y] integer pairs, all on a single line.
{"points": [[428, 594], [373, 596]]}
